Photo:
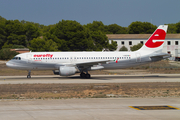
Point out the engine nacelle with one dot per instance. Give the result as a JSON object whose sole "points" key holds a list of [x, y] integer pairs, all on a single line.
{"points": [[67, 71]]}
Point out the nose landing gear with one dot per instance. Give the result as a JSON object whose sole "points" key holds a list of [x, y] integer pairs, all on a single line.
{"points": [[29, 74]]}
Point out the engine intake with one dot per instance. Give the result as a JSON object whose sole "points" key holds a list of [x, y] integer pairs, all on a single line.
{"points": [[67, 71]]}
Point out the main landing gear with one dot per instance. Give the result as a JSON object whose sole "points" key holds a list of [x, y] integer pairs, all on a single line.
{"points": [[83, 75], [29, 74]]}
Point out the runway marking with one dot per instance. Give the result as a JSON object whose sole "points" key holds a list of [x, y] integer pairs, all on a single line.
{"points": [[168, 107]]}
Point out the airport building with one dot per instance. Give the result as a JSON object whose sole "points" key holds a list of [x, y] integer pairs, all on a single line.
{"points": [[171, 45], [21, 50]]}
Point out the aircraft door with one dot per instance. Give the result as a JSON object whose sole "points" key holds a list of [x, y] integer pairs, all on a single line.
{"points": [[29, 58], [138, 57], [73, 59]]}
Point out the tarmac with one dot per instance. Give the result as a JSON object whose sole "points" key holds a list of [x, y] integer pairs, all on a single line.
{"points": [[93, 79], [89, 109]]}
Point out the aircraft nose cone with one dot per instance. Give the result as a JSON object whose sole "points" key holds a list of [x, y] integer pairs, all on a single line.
{"points": [[9, 64]]}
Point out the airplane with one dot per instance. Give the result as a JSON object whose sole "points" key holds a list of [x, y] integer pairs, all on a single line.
{"points": [[69, 63]]}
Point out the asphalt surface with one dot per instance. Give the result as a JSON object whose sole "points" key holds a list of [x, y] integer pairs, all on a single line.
{"points": [[89, 109], [93, 79]]}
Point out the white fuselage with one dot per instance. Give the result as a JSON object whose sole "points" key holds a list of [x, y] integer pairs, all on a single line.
{"points": [[52, 60]]}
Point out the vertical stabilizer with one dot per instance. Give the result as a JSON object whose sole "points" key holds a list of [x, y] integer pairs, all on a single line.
{"points": [[156, 40]]}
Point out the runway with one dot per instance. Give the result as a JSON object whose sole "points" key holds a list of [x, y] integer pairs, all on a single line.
{"points": [[93, 79], [88, 109]]}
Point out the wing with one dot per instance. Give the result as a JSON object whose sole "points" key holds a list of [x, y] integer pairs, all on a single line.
{"points": [[90, 65]]}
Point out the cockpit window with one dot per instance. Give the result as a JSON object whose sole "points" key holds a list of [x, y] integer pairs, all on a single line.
{"points": [[17, 58]]}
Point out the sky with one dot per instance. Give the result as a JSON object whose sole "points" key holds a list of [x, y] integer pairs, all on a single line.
{"points": [[121, 12]]}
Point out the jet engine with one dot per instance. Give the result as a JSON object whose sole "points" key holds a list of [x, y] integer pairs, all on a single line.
{"points": [[65, 71]]}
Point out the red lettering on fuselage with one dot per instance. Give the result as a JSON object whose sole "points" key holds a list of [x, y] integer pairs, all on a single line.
{"points": [[43, 55]]}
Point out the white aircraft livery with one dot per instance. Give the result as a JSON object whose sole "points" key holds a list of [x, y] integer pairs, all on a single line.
{"points": [[69, 63]]}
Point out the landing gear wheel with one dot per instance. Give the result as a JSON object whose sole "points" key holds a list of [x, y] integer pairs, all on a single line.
{"points": [[88, 75], [82, 75], [28, 76]]}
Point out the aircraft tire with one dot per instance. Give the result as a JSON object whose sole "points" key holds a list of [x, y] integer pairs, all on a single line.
{"points": [[82, 75], [88, 76], [28, 76]]}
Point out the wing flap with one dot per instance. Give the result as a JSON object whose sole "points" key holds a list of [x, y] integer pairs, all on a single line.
{"points": [[91, 63]]}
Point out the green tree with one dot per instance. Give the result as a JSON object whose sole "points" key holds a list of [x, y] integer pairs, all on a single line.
{"points": [[97, 26], [178, 27], [100, 40], [50, 45], [41, 44], [1, 18], [123, 48], [141, 28], [15, 33], [17, 46], [2, 31], [45, 30], [171, 28], [116, 29], [71, 35], [98, 33], [136, 47], [112, 46], [31, 32], [6, 54]]}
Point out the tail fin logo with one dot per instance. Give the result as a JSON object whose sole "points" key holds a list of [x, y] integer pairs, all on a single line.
{"points": [[157, 39]]}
